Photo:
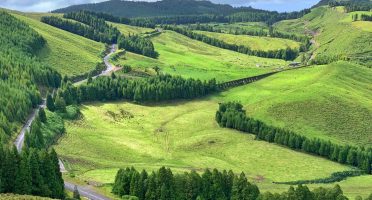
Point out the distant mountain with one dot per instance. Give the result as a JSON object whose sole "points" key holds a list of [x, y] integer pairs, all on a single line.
{"points": [[159, 8]]}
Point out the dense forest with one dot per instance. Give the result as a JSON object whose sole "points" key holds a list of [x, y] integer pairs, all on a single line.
{"points": [[243, 16], [20, 73], [232, 115], [285, 54], [184, 12], [353, 5], [80, 29], [158, 88], [33, 172], [210, 185], [123, 20], [138, 44], [98, 24]]}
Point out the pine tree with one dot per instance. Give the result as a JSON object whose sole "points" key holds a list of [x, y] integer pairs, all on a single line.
{"points": [[37, 182], [23, 179], [50, 103], [42, 115]]}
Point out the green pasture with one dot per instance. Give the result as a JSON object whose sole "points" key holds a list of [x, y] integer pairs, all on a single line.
{"points": [[254, 42], [68, 53], [130, 30], [180, 55]]}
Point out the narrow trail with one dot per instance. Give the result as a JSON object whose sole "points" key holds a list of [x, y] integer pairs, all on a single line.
{"points": [[19, 142]]}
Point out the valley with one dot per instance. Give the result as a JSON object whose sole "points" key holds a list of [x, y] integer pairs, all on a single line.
{"points": [[89, 97]]}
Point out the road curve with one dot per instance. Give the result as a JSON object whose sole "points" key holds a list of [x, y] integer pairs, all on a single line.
{"points": [[109, 67], [21, 136], [85, 192]]}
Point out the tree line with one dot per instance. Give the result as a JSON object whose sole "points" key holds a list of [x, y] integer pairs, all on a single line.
{"points": [[124, 20], [264, 33], [34, 172], [241, 15], [107, 36], [232, 115], [353, 5], [158, 88], [363, 17], [94, 27], [20, 73], [138, 44], [285, 54], [209, 185]]}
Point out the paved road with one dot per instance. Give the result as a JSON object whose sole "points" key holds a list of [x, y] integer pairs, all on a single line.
{"points": [[85, 192], [21, 136], [109, 66]]}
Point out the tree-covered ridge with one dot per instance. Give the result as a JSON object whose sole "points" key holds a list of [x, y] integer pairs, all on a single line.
{"points": [[183, 11], [209, 185], [285, 54], [137, 44], [31, 172], [20, 73], [123, 20], [232, 115], [353, 5], [159, 88]]}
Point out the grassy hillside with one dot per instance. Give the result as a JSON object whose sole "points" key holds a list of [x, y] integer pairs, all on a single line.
{"points": [[126, 29], [180, 135], [336, 36], [68, 53], [320, 101], [21, 197], [331, 102], [180, 55], [254, 42]]}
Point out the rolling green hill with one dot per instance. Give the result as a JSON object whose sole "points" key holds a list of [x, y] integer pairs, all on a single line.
{"points": [[331, 102], [180, 55], [321, 101], [65, 52], [336, 37], [254, 42]]}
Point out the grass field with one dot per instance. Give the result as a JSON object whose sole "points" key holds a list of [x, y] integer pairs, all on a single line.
{"points": [[180, 55], [337, 36], [331, 102], [184, 135], [68, 53], [254, 42], [126, 29]]}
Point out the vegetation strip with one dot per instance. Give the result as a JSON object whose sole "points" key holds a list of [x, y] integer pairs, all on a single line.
{"points": [[285, 54], [335, 177], [232, 115]]}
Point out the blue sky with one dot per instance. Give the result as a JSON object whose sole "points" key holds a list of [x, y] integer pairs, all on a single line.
{"points": [[48, 5]]}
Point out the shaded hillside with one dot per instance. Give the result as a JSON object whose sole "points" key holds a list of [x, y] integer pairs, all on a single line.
{"points": [[148, 9]]}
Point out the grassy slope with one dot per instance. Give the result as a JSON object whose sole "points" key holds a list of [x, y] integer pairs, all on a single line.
{"points": [[68, 53], [180, 55], [254, 42], [184, 136], [337, 37], [126, 29], [331, 102], [21, 197]]}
